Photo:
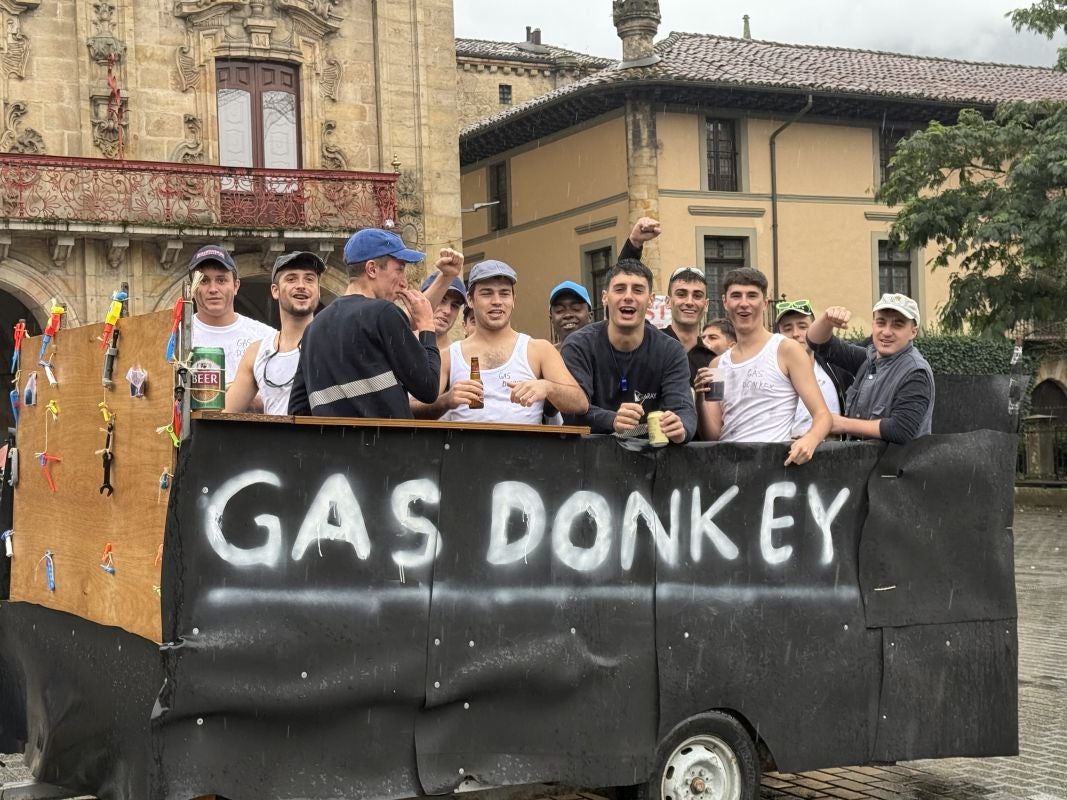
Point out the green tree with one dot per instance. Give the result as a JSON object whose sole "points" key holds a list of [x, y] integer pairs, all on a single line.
{"points": [[1047, 17], [992, 194]]}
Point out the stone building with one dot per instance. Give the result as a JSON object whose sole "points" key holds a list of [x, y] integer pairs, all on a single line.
{"points": [[493, 76], [132, 132], [749, 152]]}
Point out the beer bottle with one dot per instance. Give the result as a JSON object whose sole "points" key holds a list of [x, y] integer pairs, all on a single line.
{"points": [[476, 375]]}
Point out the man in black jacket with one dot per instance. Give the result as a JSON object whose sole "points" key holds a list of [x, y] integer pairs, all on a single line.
{"points": [[627, 368], [359, 357]]}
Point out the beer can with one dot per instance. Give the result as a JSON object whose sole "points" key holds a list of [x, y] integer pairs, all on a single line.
{"points": [[656, 437], [207, 379]]}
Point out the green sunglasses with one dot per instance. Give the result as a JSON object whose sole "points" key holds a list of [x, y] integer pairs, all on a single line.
{"points": [[803, 306]]}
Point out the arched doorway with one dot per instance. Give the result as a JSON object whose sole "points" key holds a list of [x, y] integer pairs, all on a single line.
{"points": [[1049, 398], [11, 311]]}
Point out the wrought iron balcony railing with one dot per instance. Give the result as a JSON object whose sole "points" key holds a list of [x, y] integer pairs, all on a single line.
{"points": [[1042, 331], [91, 190]]}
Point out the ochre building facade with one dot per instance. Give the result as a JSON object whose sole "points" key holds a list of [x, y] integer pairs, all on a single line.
{"points": [[750, 153]]}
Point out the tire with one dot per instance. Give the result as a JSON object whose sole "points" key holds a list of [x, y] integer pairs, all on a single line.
{"points": [[707, 757]]}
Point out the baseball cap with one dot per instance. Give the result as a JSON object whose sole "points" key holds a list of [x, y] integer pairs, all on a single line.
{"points": [[456, 285], [570, 287], [491, 269], [899, 302], [213, 252], [793, 307], [301, 258], [374, 243]]}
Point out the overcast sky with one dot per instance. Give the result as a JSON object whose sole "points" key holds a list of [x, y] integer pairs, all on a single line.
{"points": [[975, 30]]}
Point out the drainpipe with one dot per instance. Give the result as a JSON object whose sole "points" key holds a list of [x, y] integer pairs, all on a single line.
{"points": [[774, 198]]}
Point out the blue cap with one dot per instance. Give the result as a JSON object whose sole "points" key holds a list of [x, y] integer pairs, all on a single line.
{"points": [[375, 243], [455, 286], [572, 288], [491, 269]]}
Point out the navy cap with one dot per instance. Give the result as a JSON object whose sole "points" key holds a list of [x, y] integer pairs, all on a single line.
{"points": [[372, 243], [570, 287], [216, 253], [455, 286], [491, 269], [301, 259]]}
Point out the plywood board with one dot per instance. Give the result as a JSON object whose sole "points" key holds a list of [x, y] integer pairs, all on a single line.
{"points": [[77, 521]]}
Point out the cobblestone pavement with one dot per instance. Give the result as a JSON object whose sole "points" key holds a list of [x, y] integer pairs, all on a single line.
{"points": [[1039, 772]]}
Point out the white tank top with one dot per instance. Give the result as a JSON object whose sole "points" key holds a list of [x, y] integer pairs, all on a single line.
{"points": [[272, 367], [802, 420], [498, 405], [759, 401]]}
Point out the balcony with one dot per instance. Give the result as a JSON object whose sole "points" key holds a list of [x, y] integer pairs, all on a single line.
{"points": [[152, 194]]}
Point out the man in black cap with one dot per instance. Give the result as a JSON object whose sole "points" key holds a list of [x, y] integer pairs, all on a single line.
{"points": [[268, 366], [359, 357], [216, 323]]}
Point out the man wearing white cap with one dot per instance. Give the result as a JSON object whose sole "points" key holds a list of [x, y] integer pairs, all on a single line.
{"points": [[892, 397], [518, 374]]}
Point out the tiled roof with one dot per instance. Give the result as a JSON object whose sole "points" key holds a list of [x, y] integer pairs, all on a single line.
{"points": [[690, 61], [720, 59], [510, 51]]}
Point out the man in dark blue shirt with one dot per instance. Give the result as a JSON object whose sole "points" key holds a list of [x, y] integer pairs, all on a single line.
{"points": [[627, 367], [359, 357]]}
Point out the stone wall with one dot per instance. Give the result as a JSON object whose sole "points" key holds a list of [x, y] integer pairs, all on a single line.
{"points": [[479, 86], [376, 94]]}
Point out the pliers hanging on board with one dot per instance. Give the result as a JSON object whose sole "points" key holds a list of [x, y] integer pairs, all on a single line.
{"points": [[107, 456]]}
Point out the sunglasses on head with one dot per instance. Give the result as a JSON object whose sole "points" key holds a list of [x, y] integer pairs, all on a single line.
{"points": [[803, 306], [686, 271]]}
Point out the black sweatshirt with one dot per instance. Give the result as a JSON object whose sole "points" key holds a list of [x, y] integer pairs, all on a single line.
{"points": [[359, 358], [656, 376]]}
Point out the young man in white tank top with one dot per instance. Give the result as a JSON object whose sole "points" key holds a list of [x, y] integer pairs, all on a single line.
{"points": [[518, 374], [268, 366], [764, 375]]}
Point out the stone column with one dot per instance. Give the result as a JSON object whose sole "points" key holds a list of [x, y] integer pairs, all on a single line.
{"points": [[642, 171]]}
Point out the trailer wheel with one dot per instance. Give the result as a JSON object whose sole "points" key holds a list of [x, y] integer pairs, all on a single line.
{"points": [[707, 757]]}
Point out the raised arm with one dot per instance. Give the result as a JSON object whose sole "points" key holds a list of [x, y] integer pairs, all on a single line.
{"points": [[242, 391], [448, 266], [416, 361]]}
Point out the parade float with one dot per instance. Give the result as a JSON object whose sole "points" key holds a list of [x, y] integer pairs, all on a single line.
{"points": [[199, 603]]}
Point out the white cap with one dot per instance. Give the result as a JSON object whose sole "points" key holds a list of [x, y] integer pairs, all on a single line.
{"points": [[899, 302]]}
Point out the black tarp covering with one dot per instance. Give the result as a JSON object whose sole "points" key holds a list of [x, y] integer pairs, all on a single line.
{"points": [[796, 625], [965, 403], [541, 664], [319, 648]]}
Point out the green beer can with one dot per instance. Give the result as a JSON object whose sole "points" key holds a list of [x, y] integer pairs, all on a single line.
{"points": [[207, 379]]}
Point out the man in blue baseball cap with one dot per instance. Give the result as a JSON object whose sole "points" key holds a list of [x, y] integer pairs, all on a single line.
{"points": [[359, 357], [569, 309], [447, 308]]}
